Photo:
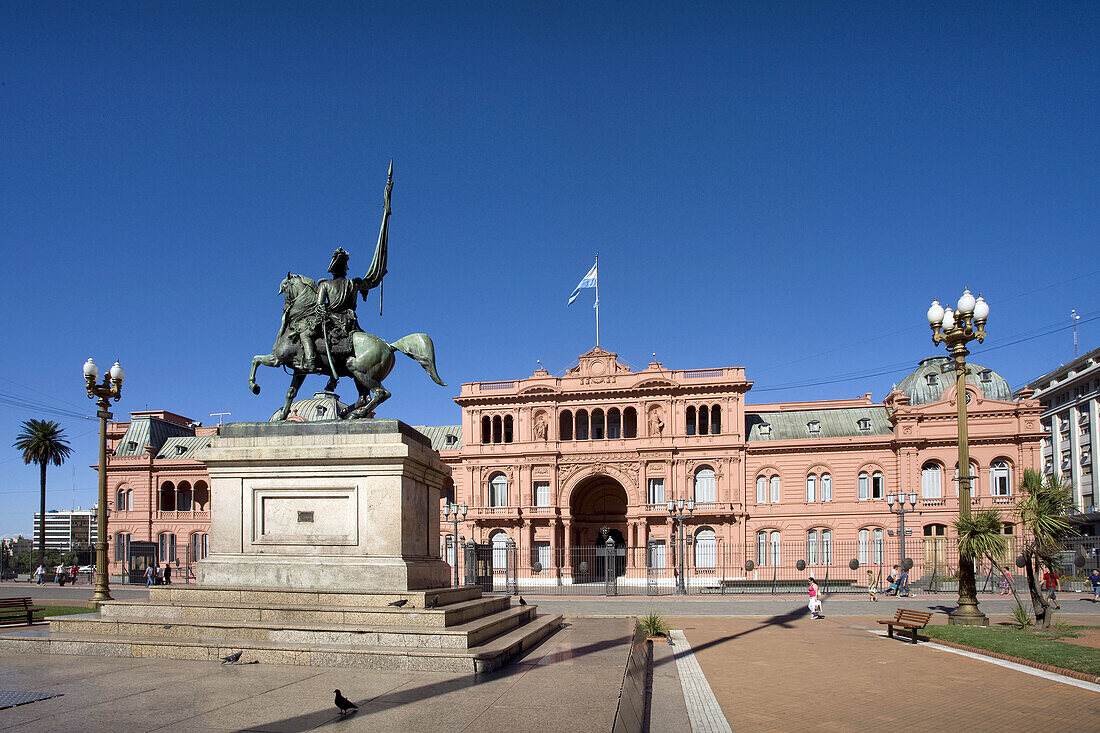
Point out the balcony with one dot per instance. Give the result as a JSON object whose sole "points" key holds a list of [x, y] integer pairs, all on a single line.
{"points": [[197, 516], [539, 511], [1002, 499], [933, 502]]}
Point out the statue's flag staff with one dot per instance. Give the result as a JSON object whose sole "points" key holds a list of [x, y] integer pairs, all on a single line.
{"points": [[591, 280]]}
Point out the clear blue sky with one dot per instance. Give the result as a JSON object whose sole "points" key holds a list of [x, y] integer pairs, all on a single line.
{"points": [[777, 186]]}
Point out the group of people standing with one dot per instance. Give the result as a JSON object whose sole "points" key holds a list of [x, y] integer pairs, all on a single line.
{"points": [[157, 574]]}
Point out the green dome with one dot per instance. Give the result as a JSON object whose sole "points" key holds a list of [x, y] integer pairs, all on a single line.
{"points": [[321, 406], [921, 389]]}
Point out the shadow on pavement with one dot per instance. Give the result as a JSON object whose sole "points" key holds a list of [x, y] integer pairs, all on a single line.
{"points": [[783, 620]]}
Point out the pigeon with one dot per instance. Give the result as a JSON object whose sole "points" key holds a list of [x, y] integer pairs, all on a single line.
{"points": [[669, 640], [344, 704], [232, 658], [432, 602], [399, 604], [522, 602]]}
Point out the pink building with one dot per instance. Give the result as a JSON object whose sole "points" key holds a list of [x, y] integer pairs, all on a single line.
{"points": [[558, 464]]}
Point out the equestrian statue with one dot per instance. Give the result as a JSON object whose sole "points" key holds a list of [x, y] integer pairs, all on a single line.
{"points": [[320, 334]]}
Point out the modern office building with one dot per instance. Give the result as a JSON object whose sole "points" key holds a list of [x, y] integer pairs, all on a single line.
{"points": [[67, 529]]}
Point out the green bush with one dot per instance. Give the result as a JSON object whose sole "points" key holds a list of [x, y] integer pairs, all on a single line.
{"points": [[653, 624]]}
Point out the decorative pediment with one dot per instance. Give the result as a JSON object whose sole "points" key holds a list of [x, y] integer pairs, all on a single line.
{"points": [[598, 363], [539, 389]]}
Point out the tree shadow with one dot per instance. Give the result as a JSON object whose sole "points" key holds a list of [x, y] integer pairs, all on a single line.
{"points": [[783, 620]]}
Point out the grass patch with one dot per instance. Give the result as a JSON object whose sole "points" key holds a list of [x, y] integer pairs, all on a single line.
{"points": [[1036, 645], [60, 611]]}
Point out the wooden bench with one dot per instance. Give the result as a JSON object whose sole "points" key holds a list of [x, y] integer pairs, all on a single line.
{"points": [[15, 610], [906, 619]]}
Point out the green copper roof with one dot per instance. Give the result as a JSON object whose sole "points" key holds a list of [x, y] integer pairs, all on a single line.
{"points": [[928, 382], [180, 448], [145, 430], [321, 406], [799, 424], [443, 437]]}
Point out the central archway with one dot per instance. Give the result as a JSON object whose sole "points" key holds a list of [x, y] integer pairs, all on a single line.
{"points": [[598, 509]]}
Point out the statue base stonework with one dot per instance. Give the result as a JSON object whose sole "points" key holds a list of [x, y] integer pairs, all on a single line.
{"points": [[324, 505]]}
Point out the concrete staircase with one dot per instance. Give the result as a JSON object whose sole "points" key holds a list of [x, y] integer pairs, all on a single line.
{"points": [[461, 631]]}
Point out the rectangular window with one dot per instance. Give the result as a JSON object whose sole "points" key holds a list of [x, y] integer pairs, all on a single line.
{"points": [[826, 547], [761, 490], [878, 486], [811, 547], [811, 488], [864, 487], [930, 482], [775, 548], [775, 489], [864, 538], [826, 488], [761, 548], [657, 554], [656, 491], [542, 493], [704, 486], [542, 554], [876, 549]]}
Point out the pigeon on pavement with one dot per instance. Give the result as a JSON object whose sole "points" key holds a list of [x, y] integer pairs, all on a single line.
{"points": [[344, 704], [522, 602], [232, 658], [432, 602], [399, 604]]}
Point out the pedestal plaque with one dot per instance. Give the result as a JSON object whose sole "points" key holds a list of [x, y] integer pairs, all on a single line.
{"points": [[333, 505]]}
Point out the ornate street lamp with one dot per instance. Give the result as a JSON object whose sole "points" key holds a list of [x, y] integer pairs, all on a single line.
{"points": [[451, 511], [901, 511], [676, 511], [110, 389], [955, 331]]}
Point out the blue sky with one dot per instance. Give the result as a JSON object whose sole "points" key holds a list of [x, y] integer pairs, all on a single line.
{"points": [[777, 186]]}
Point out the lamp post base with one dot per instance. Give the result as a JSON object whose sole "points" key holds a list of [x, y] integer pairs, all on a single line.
{"points": [[967, 614]]}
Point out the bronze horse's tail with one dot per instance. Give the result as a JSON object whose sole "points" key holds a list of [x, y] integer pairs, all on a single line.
{"points": [[419, 346]]}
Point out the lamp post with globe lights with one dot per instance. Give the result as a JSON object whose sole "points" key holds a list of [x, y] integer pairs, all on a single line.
{"points": [[451, 512], [901, 511], [955, 330], [103, 394], [676, 511]]}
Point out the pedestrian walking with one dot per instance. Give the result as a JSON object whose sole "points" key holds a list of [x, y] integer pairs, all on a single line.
{"points": [[1006, 583], [815, 600], [149, 574], [72, 574], [1094, 578], [903, 583], [167, 574], [872, 587], [1052, 585], [39, 575], [892, 579]]}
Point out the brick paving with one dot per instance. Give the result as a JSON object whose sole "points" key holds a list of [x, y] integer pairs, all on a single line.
{"points": [[788, 672]]}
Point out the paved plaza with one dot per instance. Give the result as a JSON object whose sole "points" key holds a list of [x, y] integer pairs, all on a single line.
{"points": [[766, 665]]}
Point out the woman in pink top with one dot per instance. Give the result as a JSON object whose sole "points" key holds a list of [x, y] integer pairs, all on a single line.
{"points": [[815, 600]]}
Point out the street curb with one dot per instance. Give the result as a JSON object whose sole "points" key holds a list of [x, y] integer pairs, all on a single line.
{"points": [[1094, 679]]}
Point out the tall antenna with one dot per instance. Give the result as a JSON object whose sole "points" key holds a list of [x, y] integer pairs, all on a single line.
{"points": [[220, 415], [1074, 318]]}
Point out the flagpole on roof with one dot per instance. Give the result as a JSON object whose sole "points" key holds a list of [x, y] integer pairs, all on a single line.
{"points": [[597, 300]]}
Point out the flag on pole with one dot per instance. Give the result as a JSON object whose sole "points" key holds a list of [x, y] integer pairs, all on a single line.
{"points": [[589, 281]]}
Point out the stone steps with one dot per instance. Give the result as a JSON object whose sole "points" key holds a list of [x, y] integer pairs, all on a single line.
{"points": [[445, 616], [312, 598], [411, 634], [485, 657]]}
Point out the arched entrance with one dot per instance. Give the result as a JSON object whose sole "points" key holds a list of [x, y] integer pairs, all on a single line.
{"points": [[598, 509]]}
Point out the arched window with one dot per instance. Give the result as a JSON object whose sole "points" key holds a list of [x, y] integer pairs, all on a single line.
{"points": [[704, 484], [168, 497], [975, 475], [761, 489], [761, 548], [614, 423], [486, 430], [499, 541], [183, 497], [1000, 478], [826, 547], [690, 427], [826, 487], [630, 423], [498, 490], [716, 420], [931, 481], [811, 487], [878, 485], [704, 420], [582, 425], [202, 496], [120, 501], [774, 547], [122, 547], [876, 546], [811, 547], [508, 429], [166, 544], [565, 425], [864, 487], [498, 429], [774, 494], [705, 547], [597, 425], [864, 544]]}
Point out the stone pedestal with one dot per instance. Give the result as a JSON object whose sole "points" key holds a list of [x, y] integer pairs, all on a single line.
{"points": [[324, 505]]}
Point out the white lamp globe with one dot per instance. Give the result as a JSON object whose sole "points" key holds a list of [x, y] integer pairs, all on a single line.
{"points": [[966, 303], [116, 372], [935, 313], [948, 320], [91, 371], [981, 310]]}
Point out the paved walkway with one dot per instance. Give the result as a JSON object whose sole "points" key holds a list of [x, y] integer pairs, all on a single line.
{"points": [[569, 683], [789, 672]]}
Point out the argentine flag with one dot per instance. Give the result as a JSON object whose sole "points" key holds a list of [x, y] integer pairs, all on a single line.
{"points": [[589, 281]]}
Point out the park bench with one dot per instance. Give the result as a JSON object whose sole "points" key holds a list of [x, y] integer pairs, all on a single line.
{"points": [[906, 619], [15, 610]]}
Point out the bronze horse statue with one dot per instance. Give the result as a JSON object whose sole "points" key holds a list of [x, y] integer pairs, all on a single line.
{"points": [[364, 357]]}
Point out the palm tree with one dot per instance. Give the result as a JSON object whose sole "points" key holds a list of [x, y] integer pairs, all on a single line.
{"points": [[981, 535], [43, 442], [1044, 508]]}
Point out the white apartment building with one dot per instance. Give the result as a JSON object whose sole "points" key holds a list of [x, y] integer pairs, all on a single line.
{"points": [[67, 527]]}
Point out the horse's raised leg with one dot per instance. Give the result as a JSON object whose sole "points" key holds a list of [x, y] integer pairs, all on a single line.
{"points": [[267, 360], [295, 384], [378, 395]]}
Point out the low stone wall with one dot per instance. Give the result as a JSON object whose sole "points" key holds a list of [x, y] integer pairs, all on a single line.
{"points": [[630, 714]]}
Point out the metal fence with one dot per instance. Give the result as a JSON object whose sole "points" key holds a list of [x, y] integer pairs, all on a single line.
{"points": [[715, 568]]}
